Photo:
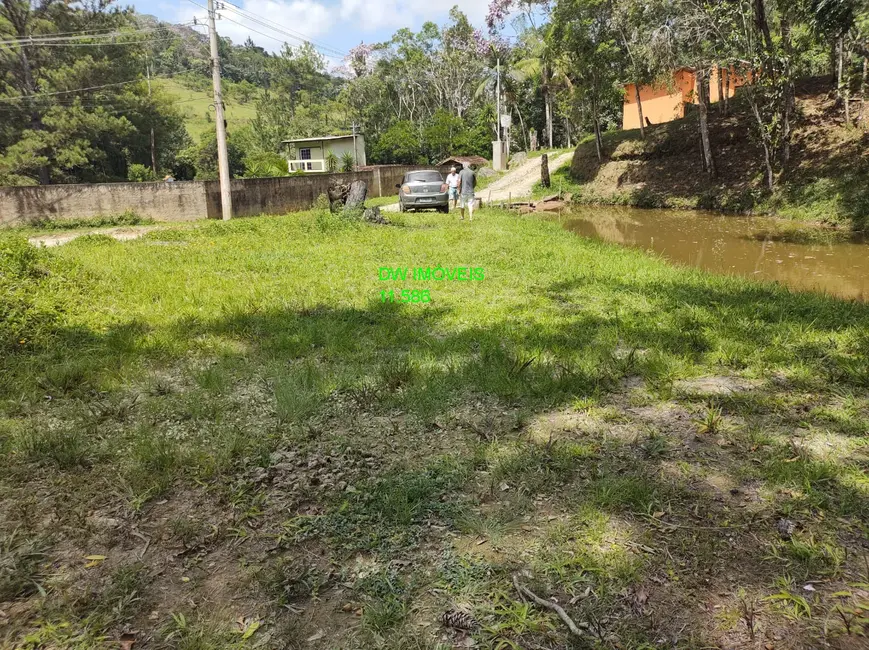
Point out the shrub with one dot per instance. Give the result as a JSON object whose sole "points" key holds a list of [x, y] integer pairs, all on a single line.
{"points": [[140, 174]]}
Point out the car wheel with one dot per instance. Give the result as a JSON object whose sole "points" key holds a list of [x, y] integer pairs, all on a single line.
{"points": [[401, 207], [445, 209]]}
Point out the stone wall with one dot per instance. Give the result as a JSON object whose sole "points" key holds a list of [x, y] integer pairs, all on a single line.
{"points": [[183, 201]]}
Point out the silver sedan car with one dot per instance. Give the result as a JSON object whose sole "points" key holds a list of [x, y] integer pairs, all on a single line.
{"points": [[423, 190]]}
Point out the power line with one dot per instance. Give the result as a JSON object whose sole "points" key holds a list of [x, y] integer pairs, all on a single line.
{"points": [[280, 28], [40, 40], [110, 44], [255, 31], [274, 38], [79, 90], [82, 32]]}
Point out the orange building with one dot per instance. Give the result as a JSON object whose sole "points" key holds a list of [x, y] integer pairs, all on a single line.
{"points": [[666, 102]]}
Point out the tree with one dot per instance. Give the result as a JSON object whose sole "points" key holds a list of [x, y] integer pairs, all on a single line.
{"points": [[582, 33], [70, 114]]}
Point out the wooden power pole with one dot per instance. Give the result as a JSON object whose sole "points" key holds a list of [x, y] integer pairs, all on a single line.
{"points": [[220, 120]]}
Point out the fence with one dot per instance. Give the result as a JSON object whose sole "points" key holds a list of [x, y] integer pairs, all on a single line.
{"points": [[183, 201]]}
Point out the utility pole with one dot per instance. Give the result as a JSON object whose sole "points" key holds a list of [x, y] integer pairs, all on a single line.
{"points": [[153, 143], [219, 118], [498, 101]]}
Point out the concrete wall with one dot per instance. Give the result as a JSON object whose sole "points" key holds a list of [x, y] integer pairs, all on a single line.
{"points": [[161, 201], [184, 201]]}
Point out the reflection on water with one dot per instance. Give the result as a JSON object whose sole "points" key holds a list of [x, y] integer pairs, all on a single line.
{"points": [[749, 246]]}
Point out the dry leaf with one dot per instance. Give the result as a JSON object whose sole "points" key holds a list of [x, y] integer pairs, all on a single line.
{"points": [[127, 641], [319, 634], [94, 560]]}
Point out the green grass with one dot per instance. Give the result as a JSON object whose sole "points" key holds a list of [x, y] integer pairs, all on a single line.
{"points": [[250, 405], [128, 218], [195, 106], [381, 201]]}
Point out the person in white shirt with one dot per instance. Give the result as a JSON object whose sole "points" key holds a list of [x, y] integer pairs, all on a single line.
{"points": [[453, 184]]}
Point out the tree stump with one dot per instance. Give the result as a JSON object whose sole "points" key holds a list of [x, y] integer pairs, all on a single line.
{"points": [[356, 196], [337, 194], [373, 215], [544, 171]]}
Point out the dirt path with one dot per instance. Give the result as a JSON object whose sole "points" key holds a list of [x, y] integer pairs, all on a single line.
{"points": [[520, 182], [122, 233], [514, 184]]}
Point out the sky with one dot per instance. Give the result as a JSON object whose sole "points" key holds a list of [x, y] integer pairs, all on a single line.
{"points": [[336, 24]]}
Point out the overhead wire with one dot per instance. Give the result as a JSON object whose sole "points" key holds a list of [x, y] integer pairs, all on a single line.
{"points": [[271, 24], [46, 40], [112, 43], [89, 88], [274, 38]]}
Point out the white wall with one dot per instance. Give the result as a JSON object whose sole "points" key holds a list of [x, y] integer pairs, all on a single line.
{"points": [[340, 147]]}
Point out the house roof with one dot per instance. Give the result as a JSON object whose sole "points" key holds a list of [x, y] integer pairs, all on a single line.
{"points": [[465, 160], [324, 137]]}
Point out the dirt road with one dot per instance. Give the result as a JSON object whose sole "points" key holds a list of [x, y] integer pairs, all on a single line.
{"points": [[516, 183], [520, 182], [122, 233]]}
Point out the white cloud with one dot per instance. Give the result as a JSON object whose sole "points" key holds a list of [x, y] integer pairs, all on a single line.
{"points": [[372, 15], [339, 24], [293, 20]]}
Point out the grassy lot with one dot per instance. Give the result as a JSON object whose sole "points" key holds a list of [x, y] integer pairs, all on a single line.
{"points": [[221, 437]]}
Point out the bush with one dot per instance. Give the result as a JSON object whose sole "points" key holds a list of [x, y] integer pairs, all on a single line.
{"points": [[141, 174]]}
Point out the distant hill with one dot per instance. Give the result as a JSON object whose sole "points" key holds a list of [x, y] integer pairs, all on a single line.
{"points": [[195, 105]]}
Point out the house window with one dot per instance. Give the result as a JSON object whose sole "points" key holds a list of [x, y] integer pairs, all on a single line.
{"points": [[304, 154]]}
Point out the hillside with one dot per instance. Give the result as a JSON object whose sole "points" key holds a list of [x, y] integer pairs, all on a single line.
{"points": [[195, 105], [828, 180]]}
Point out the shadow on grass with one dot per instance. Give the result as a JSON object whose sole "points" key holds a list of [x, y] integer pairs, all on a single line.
{"points": [[408, 356]]}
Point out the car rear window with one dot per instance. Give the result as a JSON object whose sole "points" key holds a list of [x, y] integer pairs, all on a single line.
{"points": [[425, 177]]}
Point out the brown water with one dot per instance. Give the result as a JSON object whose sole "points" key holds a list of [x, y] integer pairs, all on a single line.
{"points": [[755, 247]]}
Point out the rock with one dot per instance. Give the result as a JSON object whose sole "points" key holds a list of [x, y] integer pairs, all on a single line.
{"points": [[550, 206], [103, 523], [486, 172], [518, 159]]}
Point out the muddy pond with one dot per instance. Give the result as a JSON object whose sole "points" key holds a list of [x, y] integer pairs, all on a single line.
{"points": [[756, 247]]}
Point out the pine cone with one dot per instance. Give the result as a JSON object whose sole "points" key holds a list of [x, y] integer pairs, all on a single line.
{"points": [[459, 620]]}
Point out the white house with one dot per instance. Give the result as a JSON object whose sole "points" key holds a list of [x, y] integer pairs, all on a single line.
{"points": [[310, 154]]}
